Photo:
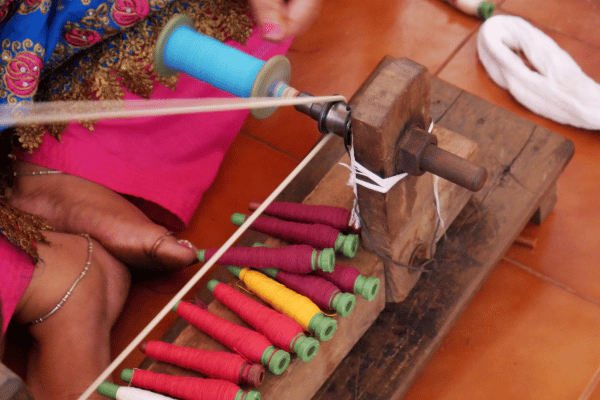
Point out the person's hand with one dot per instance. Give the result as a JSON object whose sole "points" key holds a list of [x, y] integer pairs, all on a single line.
{"points": [[280, 19], [75, 205]]}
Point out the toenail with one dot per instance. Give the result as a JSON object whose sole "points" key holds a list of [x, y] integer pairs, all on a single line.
{"points": [[185, 243]]}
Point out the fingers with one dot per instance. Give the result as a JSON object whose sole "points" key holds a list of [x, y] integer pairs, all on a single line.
{"points": [[279, 20], [270, 15]]}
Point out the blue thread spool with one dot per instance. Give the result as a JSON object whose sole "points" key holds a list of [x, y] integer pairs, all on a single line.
{"points": [[180, 48]]}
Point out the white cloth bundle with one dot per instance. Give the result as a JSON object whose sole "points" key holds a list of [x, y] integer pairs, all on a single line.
{"points": [[559, 90]]}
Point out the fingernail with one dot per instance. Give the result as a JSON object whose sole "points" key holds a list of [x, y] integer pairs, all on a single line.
{"points": [[185, 243], [272, 31]]}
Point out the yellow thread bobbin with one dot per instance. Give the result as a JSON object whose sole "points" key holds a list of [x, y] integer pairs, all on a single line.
{"points": [[288, 302]]}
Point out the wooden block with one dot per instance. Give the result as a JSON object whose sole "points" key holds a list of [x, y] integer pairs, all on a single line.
{"points": [[417, 219], [546, 205], [402, 225]]}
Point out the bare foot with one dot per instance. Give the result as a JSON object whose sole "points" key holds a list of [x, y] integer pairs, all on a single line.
{"points": [[76, 205], [71, 347]]}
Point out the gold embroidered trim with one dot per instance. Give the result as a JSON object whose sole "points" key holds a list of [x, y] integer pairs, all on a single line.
{"points": [[125, 61], [22, 229]]}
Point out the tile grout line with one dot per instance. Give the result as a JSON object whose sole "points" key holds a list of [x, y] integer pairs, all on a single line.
{"points": [[552, 281], [455, 51]]}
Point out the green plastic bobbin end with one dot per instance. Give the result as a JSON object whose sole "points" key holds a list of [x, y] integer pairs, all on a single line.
{"points": [[234, 270], [259, 244], [249, 395], [322, 326], [201, 255], [276, 69], [270, 272], [238, 219], [306, 348], [367, 287], [371, 288], [485, 9], [212, 284], [108, 389], [344, 303], [347, 244], [326, 260], [177, 21], [275, 359], [175, 306], [126, 375]]}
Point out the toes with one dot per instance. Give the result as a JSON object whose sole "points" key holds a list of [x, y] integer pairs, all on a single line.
{"points": [[171, 253]]}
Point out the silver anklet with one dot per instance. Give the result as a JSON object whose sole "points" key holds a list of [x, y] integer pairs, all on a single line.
{"points": [[66, 296], [35, 173]]}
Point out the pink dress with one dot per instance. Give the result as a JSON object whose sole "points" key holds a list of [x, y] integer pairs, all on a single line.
{"points": [[167, 161]]}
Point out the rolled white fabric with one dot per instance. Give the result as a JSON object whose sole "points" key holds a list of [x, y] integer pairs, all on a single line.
{"points": [[131, 393], [117, 392], [559, 90]]}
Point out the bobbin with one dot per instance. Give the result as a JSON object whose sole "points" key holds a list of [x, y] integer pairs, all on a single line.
{"points": [[274, 70]]}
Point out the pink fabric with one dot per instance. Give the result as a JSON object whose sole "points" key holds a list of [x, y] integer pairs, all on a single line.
{"points": [[169, 161], [16, 272]]}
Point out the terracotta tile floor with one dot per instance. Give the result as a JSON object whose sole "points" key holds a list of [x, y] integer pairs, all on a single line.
{"points": [[532, 332]]}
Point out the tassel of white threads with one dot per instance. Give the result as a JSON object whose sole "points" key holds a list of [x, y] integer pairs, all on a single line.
{"points": [[378, 184]]}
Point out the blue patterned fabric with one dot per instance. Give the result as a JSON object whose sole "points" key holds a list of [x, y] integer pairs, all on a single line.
{"points": [[38, 35]]}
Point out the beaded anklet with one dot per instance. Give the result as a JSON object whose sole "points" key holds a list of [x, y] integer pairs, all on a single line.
{"points": [[35, 173], [66, 296]]}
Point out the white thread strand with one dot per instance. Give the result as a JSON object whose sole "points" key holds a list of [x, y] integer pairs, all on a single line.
{"points": [[436, 195], [381, 185], [436, 190], [202, 271]]}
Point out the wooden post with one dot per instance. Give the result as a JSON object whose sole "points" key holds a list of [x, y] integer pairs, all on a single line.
{"points": [[401, 225]]}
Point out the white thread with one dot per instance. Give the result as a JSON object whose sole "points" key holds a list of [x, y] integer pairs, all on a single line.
{"points": [[381, 185], [436, 195], [558, 89], [436, 191], [132, 393]]}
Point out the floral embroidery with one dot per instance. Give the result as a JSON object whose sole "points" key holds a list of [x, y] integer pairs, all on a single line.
{"points": [[97, 18], [29, 6], [22, 74], [5, 8], [82, 38], [21, 67], [128, 12]]}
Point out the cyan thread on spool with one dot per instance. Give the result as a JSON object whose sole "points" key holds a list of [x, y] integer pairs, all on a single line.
{"points": [[180, 48], [211, 61]]}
